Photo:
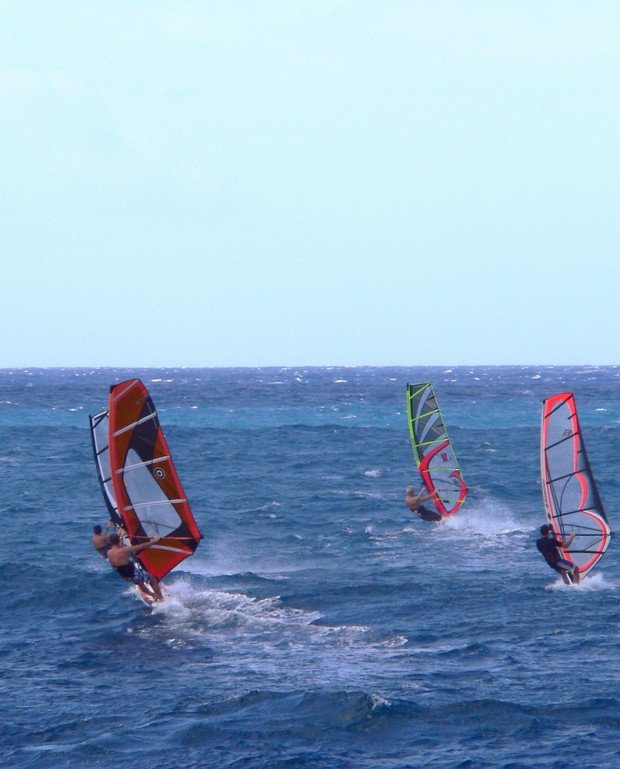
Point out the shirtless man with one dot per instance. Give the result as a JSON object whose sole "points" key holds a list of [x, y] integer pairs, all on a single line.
{"points": [[101, 541], [551, 548], [415, 503], [119, 557]]}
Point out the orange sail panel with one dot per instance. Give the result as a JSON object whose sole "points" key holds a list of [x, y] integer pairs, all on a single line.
{"points": [[571, 498], [147, 489]]}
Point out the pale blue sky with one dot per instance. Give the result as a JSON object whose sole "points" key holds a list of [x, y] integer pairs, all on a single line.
{"points": [[309, 183]]}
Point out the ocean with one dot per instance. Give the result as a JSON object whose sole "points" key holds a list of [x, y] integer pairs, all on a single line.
{"points": [[319, 624]]}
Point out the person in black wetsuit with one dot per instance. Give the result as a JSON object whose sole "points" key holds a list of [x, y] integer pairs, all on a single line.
{"points": [[551, 549], [119, 557], [101, 541], [415, 503]]}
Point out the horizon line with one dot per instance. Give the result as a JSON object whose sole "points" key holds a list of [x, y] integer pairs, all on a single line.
{"points": [[303, 365]]}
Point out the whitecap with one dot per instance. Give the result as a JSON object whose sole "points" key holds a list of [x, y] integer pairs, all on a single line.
{"points": [[376, 702]]}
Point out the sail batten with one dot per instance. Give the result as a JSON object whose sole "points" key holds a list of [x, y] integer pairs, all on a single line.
{"points": [[138, 465], [135, 424], [570, 495], [432, 449], [154, 503]]}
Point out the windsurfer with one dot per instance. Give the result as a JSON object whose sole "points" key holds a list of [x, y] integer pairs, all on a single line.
{"points": [[552, 549], [119, 557], [101, 540], [415, 503]]}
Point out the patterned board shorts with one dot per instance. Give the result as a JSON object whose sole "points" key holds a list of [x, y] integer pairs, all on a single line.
{"points": [[562, 565], [139, 574]]}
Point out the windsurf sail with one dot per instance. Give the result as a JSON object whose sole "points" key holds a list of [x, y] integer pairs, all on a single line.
{"points": [[99, 425], [572, 501], [139, 481], [432, 449]]}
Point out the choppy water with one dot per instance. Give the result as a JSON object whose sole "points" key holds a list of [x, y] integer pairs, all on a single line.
{"points": [[318, 624]]}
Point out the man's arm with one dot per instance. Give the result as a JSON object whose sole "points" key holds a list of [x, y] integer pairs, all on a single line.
{"points": [[144, 546], [566, 543]]}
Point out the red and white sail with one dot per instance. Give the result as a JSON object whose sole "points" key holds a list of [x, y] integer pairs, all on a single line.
{"points": [[570, 495], [139, 480]]}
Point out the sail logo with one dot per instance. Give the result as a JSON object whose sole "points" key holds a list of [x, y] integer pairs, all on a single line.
{"points": [[444, 457], [159, 473]]}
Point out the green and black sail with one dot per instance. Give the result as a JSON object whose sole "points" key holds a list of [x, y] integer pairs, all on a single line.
{"points": [[432, 449]]}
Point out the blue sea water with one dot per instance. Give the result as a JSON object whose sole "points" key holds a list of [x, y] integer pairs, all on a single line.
{"points": [[318, 624]]}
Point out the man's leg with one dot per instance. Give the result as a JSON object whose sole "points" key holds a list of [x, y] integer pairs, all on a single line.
{"points": [[147, 589], [156, 589]]}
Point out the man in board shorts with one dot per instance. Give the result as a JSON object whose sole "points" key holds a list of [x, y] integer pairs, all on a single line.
{"points": [[551, 549], [119, 557], [415, 503]]}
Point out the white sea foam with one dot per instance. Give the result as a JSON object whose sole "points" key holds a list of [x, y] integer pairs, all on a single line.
{"points": [[268, 637], [592, 582], [487, 519], [372, 473], [194, 612], [377, 701]]}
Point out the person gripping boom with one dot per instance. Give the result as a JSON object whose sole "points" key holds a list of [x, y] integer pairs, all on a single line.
{"points": [[415, 503], [119, 557], [551, 548]]}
